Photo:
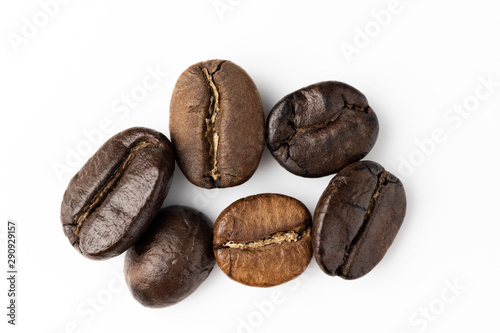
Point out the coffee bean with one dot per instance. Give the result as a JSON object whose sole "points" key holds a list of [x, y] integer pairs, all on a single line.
{"points": [[171, 259], [319, 129], [357, 219], [112, 200], [216, 124], [263, 240]]}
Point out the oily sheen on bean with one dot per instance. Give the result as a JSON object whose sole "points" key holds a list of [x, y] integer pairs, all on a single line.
{"points": [[171, 259], [217, 124], [114, 197], [357, 219], [318, 130], [263, 240]]}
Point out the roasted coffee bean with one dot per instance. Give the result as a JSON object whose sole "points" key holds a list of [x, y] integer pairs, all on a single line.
{"points": [[357, 219], [263, 240], [171, 259], [112, 200], [216, 124], [319, 129]]}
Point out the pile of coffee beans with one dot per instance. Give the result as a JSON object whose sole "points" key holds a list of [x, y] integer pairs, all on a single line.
{"points": [[218, 131]]}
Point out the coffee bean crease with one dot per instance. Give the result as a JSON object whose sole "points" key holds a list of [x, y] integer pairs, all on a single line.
{"points": [[275, 238], [319, 126], [111, 182], [213, 111], [351, 248]]}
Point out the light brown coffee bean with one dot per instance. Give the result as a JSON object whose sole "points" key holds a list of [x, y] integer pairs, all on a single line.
{"points": [[263, 240], [216, 124]]}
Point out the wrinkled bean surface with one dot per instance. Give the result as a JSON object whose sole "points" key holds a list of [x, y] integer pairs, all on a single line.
{"points": [[318, 130]]}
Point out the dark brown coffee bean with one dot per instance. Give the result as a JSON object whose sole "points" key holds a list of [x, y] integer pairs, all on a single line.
{"points": [[319, 129], [263, 240], [112, 200], [216, 124], [171, 259], [357, 219]]}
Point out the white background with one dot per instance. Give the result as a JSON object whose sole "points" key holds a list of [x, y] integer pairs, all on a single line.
{"points": [[68, 76]]}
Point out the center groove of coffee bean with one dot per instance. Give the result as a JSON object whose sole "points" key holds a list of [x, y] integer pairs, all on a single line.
{"points": [[276, 238], [211, 134], [344, 265], [112, 180], [314, 127], [318, 126]]}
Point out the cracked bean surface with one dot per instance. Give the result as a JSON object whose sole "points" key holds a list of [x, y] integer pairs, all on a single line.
{"points": [[356, 219], [318, 130], [263, 240], [217, 124]]}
